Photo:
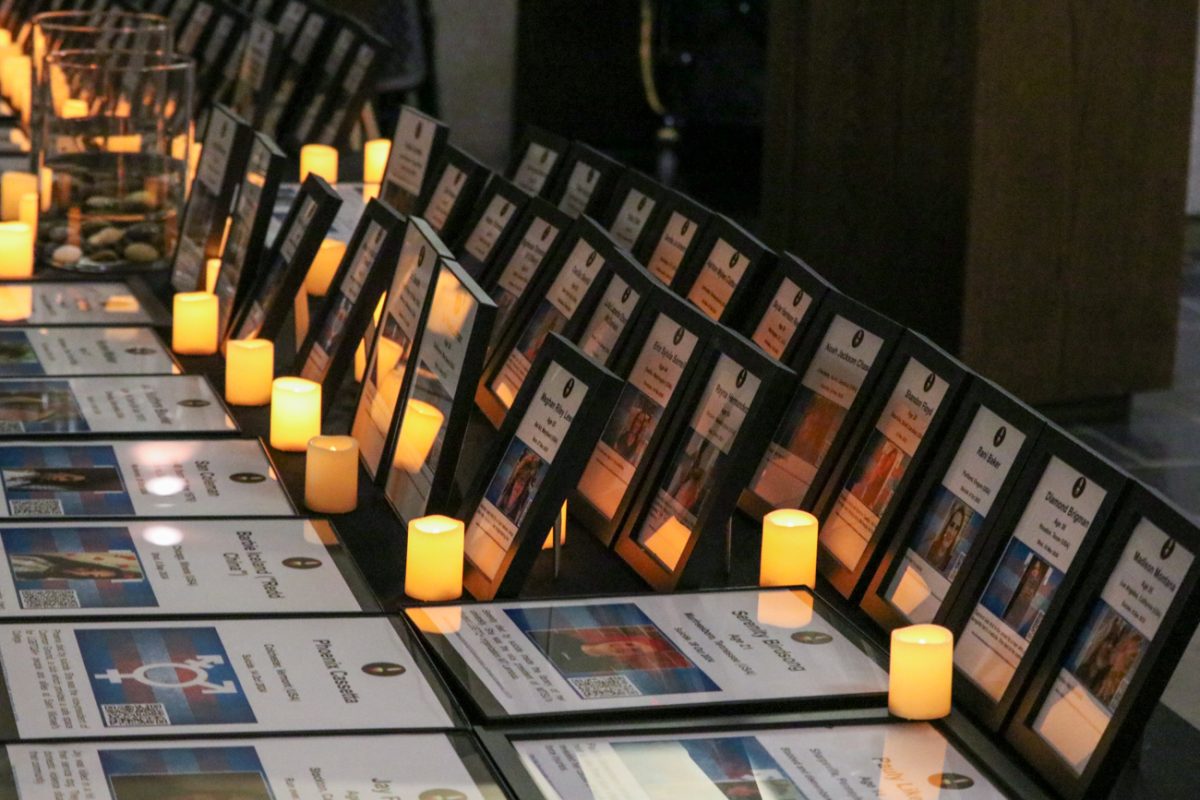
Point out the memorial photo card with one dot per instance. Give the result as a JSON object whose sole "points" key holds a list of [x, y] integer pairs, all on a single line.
{"points": [[25, 303], [175, 567], [452, 191], [723, 270], [585, 182], [671, 236], [29, 352], [489, 225], [149, 478], [635, 199], [601, 334], [537, 160], [304, 52], [258, 69], [103, 680], [321, 82], [354, 87], [778, 318], [417, 146]]}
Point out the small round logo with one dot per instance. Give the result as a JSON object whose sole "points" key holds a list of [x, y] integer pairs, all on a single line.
{"points": [[545, 232], [247, 477], [458, 178], [741, 378], [420, 126], [625, 294], [570, 387], [799, 297], [734, 259], [504, 208], [441, 794], [301, 562], [641, 206], [194, 402], [140, 351], [951, 780], [383, 669], [1079, 487], [421, 257], [678, 335], [998, 439], [1167, 549], [811, 637], [932, 379], [591, 176], [545, 155], [591, 258], [687, 223], [858, 338]]}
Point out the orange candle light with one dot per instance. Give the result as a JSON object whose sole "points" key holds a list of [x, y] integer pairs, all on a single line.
{"points": [[249, 371], [921, 672], [16, 303], [27, 210], [418, 430], [331, 474], [375, 158], [74, 108], [194, 327], [434, 569], [16, 250], [370, 191], [789, 549], [562, 527], [295, 413], [45, 187], [212, 268], [13, 186], [124, 143], [324, 267], [321, 159]]}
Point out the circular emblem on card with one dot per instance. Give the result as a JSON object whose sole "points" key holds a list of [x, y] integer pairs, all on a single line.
{"points": [[383, 669], [678, 335], [741, 378], [951, 780], [811, 637], [421, 257], [458, 178], [858, 337], [570, 387], [998, 439], [1078, 488], [545, 232], [504, 208], [591, 257], [625, 295], [545, 155], [932, 379], [796, 300], [733, 259], [687, 223], [247, 477], [441, 794], [642, 203], [591, 174], [139, 351], [301, 562], [194, 402], [1167, 549]]}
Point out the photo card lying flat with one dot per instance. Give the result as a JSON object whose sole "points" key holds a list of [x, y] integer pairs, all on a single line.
{"points": [[26, 352], [664, 346], [125, 404], [148, 478], [452, 191], [722, 272], [537, 160], [226, 141], [897, 435], [585, 182], [1085, 706], [777, 319], [243, 253], [79, 303], [635, 200], [1023, 580], [360, 281], [954, 509], [287, 261], [653, 655], [416, 148], [103, 680], [839, 362], [671, 236], [538, 456], [414, 765], [676, 534], [446, 368], [177, 568], [491, 222]]}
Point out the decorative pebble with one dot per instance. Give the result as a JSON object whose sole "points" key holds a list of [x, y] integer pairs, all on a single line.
{"points": [[100, 203], [141, 252], [105, 237], [104, 256], [66, 254], [142, 199], [143, 232], [57, 233]]}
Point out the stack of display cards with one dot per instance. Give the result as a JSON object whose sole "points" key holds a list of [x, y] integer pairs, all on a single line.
{"points": [[83, 351], [78, 303]]}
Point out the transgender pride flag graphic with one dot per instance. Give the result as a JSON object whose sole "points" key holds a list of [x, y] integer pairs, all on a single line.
{"points": [[155, 677]]}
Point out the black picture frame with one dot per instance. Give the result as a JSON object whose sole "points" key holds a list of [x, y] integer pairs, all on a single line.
{"points": [[709, 282], [834, 334], [151, 309], [401, 167], [627, 217], [304, 52], [702, 547], [559, 476], [585, 182], [454, 190], [258, 70], [282, 272], [489, 225], [981, 401], [673, 233], [252, 211], [355, 290], [218, 47], [1136, 695], [355, 86], [667, 309], [886, 496], [528, 169], [227, 139], [322, 82], [777, 319], [1053, 447]]}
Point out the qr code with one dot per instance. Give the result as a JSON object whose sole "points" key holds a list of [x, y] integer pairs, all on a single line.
{"points": [[135, 715], [36, 508], [600, 687], [11, 426], [49, 598]]}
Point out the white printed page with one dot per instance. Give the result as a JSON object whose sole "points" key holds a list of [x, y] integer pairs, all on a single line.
{"points": [[488, 229], [671, 247], [444, 197], [631, 219], [70, 303], [535, 168], [83, 351], [613, 313], [718, 279], [411, 147], [522, 266], [581, 182], [778, 326]]}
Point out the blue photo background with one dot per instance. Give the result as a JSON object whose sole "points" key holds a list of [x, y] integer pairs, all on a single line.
{"points": [[17, 356], [113, 545], [737, 766], [180, 771], [92, 459], [1021, 589]]}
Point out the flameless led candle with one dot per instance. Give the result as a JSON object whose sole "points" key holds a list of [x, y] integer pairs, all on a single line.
{"points": [[45, 187], [295, 413], [124, 143], [5, 37], [789, 549], [375, 158], [562, 525], [249, 370], [434, 568], [13, 186], [324, 267], [370, 191], [921, 672], [321, 159], [331, 474], [27, 210], [74, 108], [194, 327], [212, 268], [16, 250], [419, 428], [784, 609]]}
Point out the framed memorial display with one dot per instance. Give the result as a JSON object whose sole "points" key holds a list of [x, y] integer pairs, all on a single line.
{"points": [[261, 60], [355, 86], [386, 378], [432, 766], [671, 236], [357, 286], [897, 435], [452, 191], [492, 220], [627, 290], [636, 656], [536, 461], [777, 319], [568, 288], [839, 362], [663, 347], [537, 160], [145, 478], [427, 440], [417, 147], [954, 508], [676, 533], [227, 140], [320, 83], [519, 264], [585, 182], [1023, 579], [216, 49], [147, 404], [177, 568], [24, 303], [222, 676], [723, 270], [304, 52], [634, 202], [192, 25], [84, 351], [248, 230], [287, 261], [1087, 702]]}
